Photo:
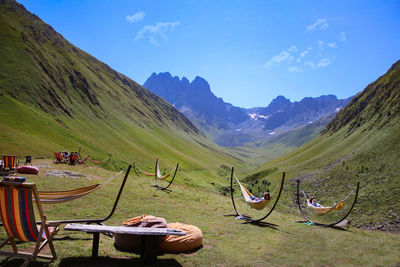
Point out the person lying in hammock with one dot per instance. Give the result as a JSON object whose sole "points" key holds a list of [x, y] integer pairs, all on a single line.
{"points": [[313, 202], [266, 196]]}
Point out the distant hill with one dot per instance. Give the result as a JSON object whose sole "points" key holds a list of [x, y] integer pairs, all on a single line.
{"points": [[55, 96], [234, 126], [362, 143]]}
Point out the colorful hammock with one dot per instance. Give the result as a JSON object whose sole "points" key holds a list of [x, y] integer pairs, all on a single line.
{"points": [[53, 197], [320, 211], [255, 204], [324, 210], [153, 174], [103, 162]]}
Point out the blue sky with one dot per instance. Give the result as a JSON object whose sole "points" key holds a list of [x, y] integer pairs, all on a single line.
{"points": [[249, 51]]}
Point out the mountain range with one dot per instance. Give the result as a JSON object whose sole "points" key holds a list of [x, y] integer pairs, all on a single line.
{"points": [[232, 126]]}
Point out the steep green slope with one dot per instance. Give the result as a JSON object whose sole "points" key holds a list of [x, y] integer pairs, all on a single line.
{"points": [[362, 143], [55, 96]]}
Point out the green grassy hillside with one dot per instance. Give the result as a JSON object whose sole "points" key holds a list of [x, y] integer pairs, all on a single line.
{"points": [[54, 96], [362, 143]]}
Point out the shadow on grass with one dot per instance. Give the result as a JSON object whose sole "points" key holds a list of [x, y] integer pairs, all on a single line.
{"points": [[166, 190], [324, 226], [160, 253], [262, 224], [12, 262], [107, 261]]}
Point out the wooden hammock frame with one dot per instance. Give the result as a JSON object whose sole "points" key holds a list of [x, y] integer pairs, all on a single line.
{"points": [[157, 179], [157, 185], [325, 224], [247, 218]]}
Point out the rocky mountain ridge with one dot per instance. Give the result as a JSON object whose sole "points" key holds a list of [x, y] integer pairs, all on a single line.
{"points": [[229, 125]]}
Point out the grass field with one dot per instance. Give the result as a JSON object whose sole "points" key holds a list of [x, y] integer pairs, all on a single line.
{"points": [[226, 242]]}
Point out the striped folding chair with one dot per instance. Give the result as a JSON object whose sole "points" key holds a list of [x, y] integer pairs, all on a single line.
{"points": [[73, 158], [59, 158], [17, 214], [9, 165]]}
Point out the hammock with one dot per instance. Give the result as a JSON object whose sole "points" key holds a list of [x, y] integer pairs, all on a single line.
{"points": [[103, 162], [255, 204], [320, 211], [258, 205], [325, 210], [159, 177], [152, 174], [53, 197]]}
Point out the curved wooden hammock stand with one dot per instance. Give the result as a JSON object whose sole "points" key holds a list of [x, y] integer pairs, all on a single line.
{"points": [[247, 218], [325, 224], [157, 179]]}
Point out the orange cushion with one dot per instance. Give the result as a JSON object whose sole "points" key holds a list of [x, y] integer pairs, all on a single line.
{"points": [[175, 243]]}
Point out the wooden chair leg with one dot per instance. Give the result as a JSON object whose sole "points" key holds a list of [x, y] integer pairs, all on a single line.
{"points": [[50, 240], [9, 238]]}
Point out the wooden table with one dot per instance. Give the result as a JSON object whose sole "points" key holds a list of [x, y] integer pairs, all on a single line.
{"points": [[149, 240]]}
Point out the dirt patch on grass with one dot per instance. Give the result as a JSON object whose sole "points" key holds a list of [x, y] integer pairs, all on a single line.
{"points": [[64, 174]]}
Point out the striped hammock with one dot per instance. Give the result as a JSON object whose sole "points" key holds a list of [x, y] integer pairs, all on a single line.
{"points": [[54, 197], [255, 204], [324, 210], [152, 174]]}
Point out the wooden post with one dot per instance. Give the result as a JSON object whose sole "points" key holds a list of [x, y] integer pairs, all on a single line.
{"points": [[149, 249], [95, 247]]}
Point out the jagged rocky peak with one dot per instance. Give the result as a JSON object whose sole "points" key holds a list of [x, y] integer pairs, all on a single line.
{"points": [[277, 104], [200, 83], [185, 80], [196, 100]]}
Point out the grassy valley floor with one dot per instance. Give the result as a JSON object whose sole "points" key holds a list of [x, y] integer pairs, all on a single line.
{"points": [[227, 242]]}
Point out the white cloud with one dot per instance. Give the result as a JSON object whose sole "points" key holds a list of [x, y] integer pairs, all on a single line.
{"points": [[323, 62], [283, 57], [156, 32], [295, 69], [320, 24], [332, 45], [320, 44], [293, 48], [303, 54], [309, 64], [343, 37], [136, 17]]}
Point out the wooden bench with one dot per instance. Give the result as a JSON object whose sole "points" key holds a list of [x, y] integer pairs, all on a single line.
{"points": [[149, 240]]}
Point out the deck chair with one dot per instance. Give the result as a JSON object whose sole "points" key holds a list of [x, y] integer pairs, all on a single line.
{"points": [[73, 158], [17, 214], [8, 165], [59, 158]]}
